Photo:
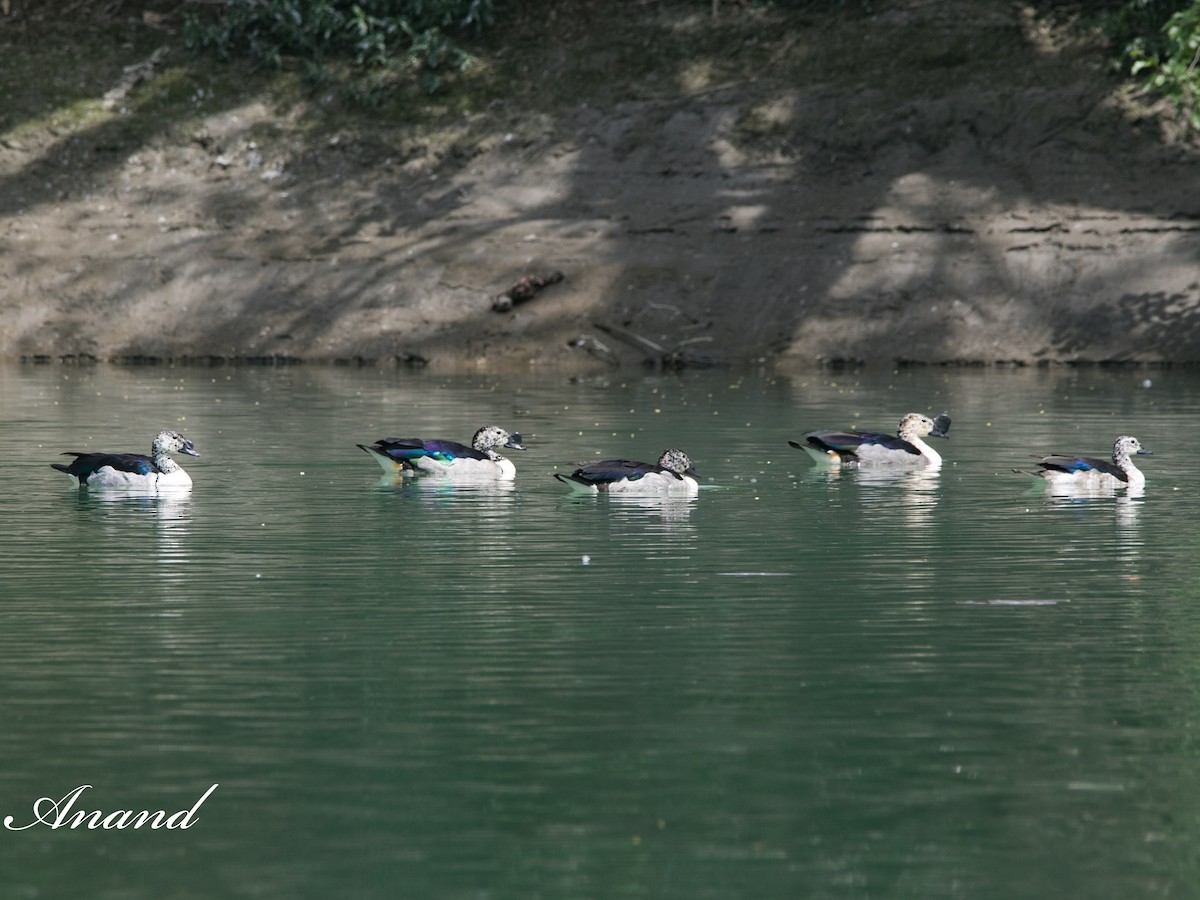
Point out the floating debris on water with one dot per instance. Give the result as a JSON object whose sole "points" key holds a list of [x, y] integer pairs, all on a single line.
{"points": [[1011, 602], [754, 574]]}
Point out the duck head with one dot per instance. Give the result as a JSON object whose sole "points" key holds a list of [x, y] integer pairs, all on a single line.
{"points": [[1125, 445], [492, 436], [173, 442], [917, 425], [677, 461]]}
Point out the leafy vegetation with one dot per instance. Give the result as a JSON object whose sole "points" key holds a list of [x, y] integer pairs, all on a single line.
{"points": [[382, 42], [385, 51], [1159, 40]]}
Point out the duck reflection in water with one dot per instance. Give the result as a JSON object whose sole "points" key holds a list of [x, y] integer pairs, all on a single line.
{"points": [[446, 488], [1090, 500], [918, 487], [119, 512], [668, 507]]}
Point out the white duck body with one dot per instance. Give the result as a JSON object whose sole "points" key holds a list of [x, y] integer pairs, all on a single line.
{"points": [[439, 458], [871, 448], [672, 474], [133, 472], [499, 469], [1090, 473]]}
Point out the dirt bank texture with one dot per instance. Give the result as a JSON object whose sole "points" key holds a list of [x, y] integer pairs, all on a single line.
{"points": [[933, 182]]}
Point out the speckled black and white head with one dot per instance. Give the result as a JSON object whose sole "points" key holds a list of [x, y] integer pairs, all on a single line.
{"points": [[489, 437], [170, 442], [917, 425], [1124, 446], [677, 461]]}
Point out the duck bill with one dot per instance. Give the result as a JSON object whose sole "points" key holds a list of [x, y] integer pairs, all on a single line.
{"points": [[189, 449], [514, 442], [941, 426], [1142, 451]]}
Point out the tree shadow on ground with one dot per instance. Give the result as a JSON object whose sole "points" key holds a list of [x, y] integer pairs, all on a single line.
{"points": [[913, 184]]}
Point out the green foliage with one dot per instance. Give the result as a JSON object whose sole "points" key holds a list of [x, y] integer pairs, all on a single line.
{"points": [[1160, 41], [380, 42]]}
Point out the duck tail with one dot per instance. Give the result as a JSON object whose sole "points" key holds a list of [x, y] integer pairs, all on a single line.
{"points": [[389, 465], [575, 485]]}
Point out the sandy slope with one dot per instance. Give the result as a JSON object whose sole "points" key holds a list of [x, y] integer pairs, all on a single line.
{"points": [[983, 195]]}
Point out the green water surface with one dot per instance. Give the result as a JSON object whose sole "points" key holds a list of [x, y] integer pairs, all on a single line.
{"points": [[799, 684]]}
